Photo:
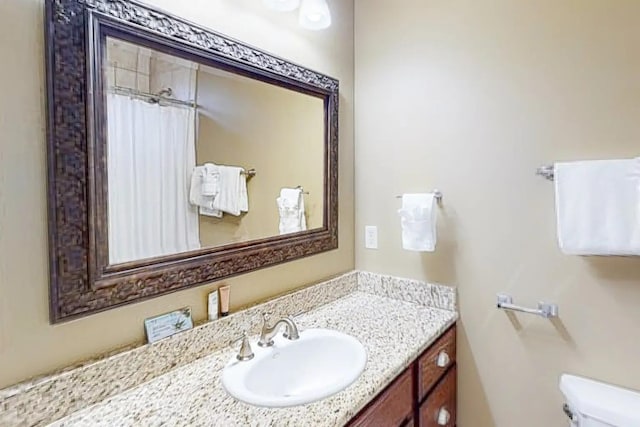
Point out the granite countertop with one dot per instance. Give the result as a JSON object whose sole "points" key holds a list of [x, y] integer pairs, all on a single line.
{"points": [[394, 333]]}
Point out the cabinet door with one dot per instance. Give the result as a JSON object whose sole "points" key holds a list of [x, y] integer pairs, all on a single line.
{"points": [[440, 407], [392, 408], [435, 362]]}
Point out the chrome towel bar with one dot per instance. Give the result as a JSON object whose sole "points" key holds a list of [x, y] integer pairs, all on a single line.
{"points": [[544, 309], [437, 194], [547, 172], [249, 173], [299, 187]]}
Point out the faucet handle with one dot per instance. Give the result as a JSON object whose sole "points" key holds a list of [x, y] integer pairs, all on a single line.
{"points": [[245, 353]]}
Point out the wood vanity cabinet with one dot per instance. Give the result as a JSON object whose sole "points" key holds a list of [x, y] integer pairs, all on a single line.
{"points": [[424, 395], [436, 388], [392, 407]]}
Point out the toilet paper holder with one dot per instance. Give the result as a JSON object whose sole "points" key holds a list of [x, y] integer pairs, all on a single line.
{"points": [[546, 310]]}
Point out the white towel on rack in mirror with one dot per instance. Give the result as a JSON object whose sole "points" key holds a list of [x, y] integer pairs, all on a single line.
{"points": [[597, 207], [210, 180], [209, 211], [232, 197], [418, 218], [243, 196], [196, 198], [292, 211], [195, 189]]}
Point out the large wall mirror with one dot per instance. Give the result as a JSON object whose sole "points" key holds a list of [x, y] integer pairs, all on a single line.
{"points": [[177, 156]]}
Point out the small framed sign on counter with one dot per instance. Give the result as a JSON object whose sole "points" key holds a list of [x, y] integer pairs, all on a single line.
{"points": [[168, 324]]}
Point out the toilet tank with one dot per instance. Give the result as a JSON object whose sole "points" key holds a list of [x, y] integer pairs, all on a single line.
{"points": [[597, 404]]}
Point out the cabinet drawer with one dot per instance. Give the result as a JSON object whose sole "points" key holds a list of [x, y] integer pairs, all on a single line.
{"points": [[440, 407], [435, 362], [392, 407]]}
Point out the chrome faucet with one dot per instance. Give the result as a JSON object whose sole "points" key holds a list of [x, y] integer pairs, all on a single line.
{"points": [[266, 337]]}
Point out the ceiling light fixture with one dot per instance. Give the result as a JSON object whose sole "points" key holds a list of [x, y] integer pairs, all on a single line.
{"points": [[282, 5], [315, 14]]}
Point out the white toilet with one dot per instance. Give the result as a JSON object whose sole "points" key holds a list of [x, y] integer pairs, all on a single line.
{"points": [[595, 404]]}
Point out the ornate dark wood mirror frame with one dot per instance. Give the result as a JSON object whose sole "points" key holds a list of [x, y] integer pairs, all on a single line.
{"points": [[82, 281]]}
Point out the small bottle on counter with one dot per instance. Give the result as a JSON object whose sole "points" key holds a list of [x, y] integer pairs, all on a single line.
{"points": [[224, 299], [212, 305]]}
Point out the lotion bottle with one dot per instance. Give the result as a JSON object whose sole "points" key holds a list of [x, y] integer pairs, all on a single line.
{"points": [[224, 299]]}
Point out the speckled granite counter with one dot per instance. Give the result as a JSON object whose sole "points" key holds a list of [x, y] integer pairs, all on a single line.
{"points": [[394, 333], [176, 381]]}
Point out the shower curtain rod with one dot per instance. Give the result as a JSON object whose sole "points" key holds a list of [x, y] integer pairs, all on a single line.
{"points": [[151, 97]]}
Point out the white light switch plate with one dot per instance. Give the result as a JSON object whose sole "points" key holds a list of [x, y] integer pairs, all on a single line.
{"points": [[371, 237]]}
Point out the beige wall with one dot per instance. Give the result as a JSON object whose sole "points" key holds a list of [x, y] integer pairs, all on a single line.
{"points": [[471, 96], [28, 344], [278, 132]]}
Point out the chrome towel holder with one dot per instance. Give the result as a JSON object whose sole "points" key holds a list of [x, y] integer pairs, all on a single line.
{"points": [[547, 172], [301, 188], [546, 310], [249, 173], [437, 194]]}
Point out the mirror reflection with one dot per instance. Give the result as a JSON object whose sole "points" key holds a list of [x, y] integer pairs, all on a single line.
{"points": [[200, 157]]}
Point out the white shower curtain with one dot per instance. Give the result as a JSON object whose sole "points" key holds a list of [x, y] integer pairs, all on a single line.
{"points": [[151, 154]]}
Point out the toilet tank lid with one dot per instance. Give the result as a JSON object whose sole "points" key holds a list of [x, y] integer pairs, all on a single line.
{"points": [[604, 402]]}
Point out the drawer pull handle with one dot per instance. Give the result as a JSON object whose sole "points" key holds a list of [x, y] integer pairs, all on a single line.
{"points": [[443, 417], [443, 359]]}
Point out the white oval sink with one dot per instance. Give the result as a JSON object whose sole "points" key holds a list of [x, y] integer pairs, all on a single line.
{"points": [[320, 363]]}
